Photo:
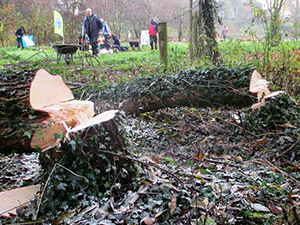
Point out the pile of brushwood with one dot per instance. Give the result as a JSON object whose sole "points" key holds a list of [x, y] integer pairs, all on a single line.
{"points": [[189, 164]]}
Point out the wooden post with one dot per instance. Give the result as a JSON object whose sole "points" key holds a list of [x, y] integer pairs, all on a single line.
{"points": [[163, 43]]}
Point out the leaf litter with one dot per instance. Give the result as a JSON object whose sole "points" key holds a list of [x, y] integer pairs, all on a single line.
{"points": [[196, 166]]}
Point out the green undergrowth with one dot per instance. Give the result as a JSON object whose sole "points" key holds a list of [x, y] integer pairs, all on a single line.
{"points": [[279, 113]]}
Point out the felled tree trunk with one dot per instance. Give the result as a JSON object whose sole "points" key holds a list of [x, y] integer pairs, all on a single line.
{"points": [[17, 119], [35, 105], [213, 87]]}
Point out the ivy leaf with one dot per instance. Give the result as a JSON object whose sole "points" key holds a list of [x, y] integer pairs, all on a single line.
{"points": [[62, 186], [28, 133]]}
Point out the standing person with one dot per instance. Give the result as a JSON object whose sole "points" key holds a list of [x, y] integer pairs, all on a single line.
{"points": [[153, 30], [106, 33], [224, 32], [20, 33], [92, 26]]}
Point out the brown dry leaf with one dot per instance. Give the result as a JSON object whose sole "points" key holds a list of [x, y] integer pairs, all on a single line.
{"points": [[274, 209], [288, 125], [148, 221], [156, 159], [261, 141], [11, 200], [200, 156], [250, 197], [173, 204], [239, 158]]}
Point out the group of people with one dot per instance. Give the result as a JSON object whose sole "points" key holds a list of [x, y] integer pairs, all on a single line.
{"points": [[93, 26]]}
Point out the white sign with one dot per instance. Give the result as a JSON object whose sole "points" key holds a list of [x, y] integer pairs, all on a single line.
{"points": [[145, 39]]}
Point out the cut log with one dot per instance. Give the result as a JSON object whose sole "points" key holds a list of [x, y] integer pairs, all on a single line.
{"points": [[17, 119], [208, 87], [214, 87], [53, 100]]}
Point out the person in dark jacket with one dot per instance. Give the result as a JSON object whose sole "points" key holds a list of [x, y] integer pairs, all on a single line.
{"points": [[116, 40], [20, 33], [153, 30], [117, 44], [92, 26]]}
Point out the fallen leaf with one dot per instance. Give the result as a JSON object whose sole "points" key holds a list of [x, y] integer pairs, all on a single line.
{"points": [[261, 141], [148, 221], [239, 158], [259, 207], [200, 156], [205, 201], [173, 204], [288, 125], [274, 209]]}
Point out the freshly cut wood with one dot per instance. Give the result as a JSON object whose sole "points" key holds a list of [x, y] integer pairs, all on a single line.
{"points": [[47, 89], [11, 200], [54, 101], [259, 86]]}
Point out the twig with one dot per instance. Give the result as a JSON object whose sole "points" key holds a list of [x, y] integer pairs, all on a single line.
{"points": [[288, 149], [233, 124], [280, 171], [76, 175], [42, 194], [46, 184], [144, 163]]}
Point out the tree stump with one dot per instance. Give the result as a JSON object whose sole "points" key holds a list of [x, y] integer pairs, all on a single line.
{"points": [[90, 163]]}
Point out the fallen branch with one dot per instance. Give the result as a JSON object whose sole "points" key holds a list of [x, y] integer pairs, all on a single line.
{"points": [[279, 170], [283, 153]]}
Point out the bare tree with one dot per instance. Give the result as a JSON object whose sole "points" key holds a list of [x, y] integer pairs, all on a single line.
{"points": [[274, 8]]}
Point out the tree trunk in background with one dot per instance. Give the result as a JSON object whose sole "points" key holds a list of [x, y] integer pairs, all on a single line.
{"points": [[195, 33], [191, 31], [210, 30], [200, 46], [180, 24], [274, 10]]}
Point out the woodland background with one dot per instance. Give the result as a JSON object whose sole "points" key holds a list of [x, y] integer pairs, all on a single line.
{"points": [[132, 16]]}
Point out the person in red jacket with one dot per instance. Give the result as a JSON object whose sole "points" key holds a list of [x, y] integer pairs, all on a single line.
{"points": [[153, 30]]}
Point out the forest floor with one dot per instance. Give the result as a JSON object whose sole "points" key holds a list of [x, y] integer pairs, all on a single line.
{"points": [[195, 165]]}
